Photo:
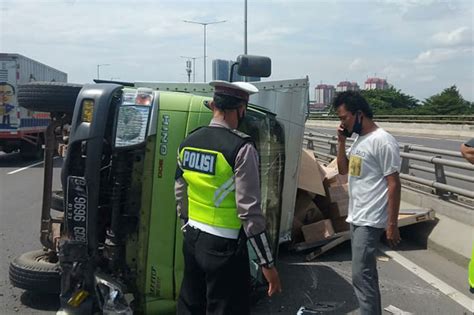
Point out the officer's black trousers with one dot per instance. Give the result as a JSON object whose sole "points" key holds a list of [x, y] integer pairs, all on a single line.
{"points": [[216, 275]]}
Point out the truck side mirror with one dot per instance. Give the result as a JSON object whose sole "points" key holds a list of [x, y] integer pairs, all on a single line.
{"points": [[252, 66]]}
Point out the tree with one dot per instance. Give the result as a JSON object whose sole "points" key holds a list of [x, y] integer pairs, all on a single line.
{"points": [[448, 102], [390, 101]]}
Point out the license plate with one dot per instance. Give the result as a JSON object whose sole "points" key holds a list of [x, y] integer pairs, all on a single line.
{"points": [[76, 209]]}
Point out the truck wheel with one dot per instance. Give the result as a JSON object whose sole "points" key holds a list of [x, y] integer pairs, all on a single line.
{"points": [[34, 272], [57, 200], [30, 151], [48, 96]]}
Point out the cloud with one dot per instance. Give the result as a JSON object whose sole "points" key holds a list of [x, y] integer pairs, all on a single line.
{"points": [[438, 55], [409, 42], [358, 65], [426, 78], [461, 36], [272, 34], [414, 10]]}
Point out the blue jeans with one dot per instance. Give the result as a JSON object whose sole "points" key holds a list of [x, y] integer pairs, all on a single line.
{"points": [[365, 279]]}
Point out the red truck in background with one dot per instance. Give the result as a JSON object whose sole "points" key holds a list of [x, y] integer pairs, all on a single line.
{"points": [[21, 129]]}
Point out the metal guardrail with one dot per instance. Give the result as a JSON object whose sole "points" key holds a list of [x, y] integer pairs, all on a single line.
{"points": [[431, 119], [328, 143]]}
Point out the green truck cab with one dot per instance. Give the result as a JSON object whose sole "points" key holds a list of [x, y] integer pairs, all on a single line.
{"points": [[115, 245]]}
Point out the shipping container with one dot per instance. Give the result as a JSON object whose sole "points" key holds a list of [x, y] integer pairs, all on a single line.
{"points": [[21, 129]]}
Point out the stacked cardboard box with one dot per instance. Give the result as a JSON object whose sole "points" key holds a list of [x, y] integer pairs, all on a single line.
{"points": [[322, 201]]}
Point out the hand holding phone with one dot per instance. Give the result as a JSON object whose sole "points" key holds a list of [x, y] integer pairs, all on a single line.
{"points": [[346, 133], [343, 132]]}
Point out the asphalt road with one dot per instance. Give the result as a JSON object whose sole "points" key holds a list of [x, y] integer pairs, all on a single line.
{"points": [[322, 285]]}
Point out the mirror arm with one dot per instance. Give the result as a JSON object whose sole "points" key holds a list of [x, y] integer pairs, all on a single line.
{"points": [[232, 70]]}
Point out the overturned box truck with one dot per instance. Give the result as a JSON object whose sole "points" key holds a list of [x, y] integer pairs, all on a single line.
{"points": [[22, 129], [113, 244]]}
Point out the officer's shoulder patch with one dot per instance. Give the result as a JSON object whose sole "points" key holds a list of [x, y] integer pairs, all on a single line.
{"points": [[239, 133]]}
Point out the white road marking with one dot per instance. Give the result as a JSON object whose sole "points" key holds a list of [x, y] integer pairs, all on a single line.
{"points": [[27, 167], [445, 288]]}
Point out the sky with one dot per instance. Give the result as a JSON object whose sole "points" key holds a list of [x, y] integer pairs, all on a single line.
{"points": [[420, 46]]}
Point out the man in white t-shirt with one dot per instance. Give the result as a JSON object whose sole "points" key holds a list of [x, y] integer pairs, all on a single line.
{"points": [[373, 164]]}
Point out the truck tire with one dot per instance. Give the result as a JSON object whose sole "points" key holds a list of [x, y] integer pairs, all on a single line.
{"points": [[57, 200], [52, 97], [33, 272]]}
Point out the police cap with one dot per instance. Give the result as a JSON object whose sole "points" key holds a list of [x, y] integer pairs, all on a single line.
{"points": [[240, 90]]}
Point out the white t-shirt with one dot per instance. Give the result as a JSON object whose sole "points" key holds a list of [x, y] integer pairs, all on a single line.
{"points": [[371, 157]]}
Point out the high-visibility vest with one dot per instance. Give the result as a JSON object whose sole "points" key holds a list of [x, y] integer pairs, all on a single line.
{"points": [[471, 269], [207, 160]]}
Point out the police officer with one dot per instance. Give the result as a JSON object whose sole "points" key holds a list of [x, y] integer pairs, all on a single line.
{"points": [[217, 192]]}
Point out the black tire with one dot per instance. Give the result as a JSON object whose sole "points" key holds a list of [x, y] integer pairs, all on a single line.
{"points": [[33, 272], [52, 97], [57, 200]]}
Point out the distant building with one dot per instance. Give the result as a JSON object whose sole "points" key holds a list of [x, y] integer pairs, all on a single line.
{"points": [[221, 71], [324, 94], [347, 86], [376, 84], [314, 106]]}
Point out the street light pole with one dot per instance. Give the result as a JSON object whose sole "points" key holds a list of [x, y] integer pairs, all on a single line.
{"points": [[98, 67], [245, 29], [194, 65], [205, 27], [245, 34]]}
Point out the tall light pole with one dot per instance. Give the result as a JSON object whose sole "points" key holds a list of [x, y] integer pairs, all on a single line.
{"points": [[205, 26], [245, 28], [98, 69], [194, 65], [246, 79]]}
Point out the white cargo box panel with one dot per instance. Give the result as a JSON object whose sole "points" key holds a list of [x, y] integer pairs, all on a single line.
{"points": [[288, 99], [16, 69], [20, 69]]}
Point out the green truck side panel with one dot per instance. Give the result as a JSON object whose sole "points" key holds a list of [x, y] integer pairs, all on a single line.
{"points": [[199, 115], [163, 219], [160, 307], [178, 115], [145, 213]]}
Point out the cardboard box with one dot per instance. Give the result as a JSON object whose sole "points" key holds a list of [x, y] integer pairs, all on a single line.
{"points": [[339, 198], [323, 203], [338, 209], [306, 211], [339, 192], [317, 231], [337, 180], [311, 174], [296, 233], [340, 224], [332, 176]]}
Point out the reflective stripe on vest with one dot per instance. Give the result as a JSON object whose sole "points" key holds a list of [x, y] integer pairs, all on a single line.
{"points": [[211, 187]]}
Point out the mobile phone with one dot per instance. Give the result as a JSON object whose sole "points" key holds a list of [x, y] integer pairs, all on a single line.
{"points": [[346, 133], [469, 143]]}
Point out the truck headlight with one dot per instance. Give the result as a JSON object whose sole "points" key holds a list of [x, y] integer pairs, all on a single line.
{"points": [[132, 125]]}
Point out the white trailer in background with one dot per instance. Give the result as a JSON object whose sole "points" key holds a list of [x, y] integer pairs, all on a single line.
{"points": [[21, 129]]}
